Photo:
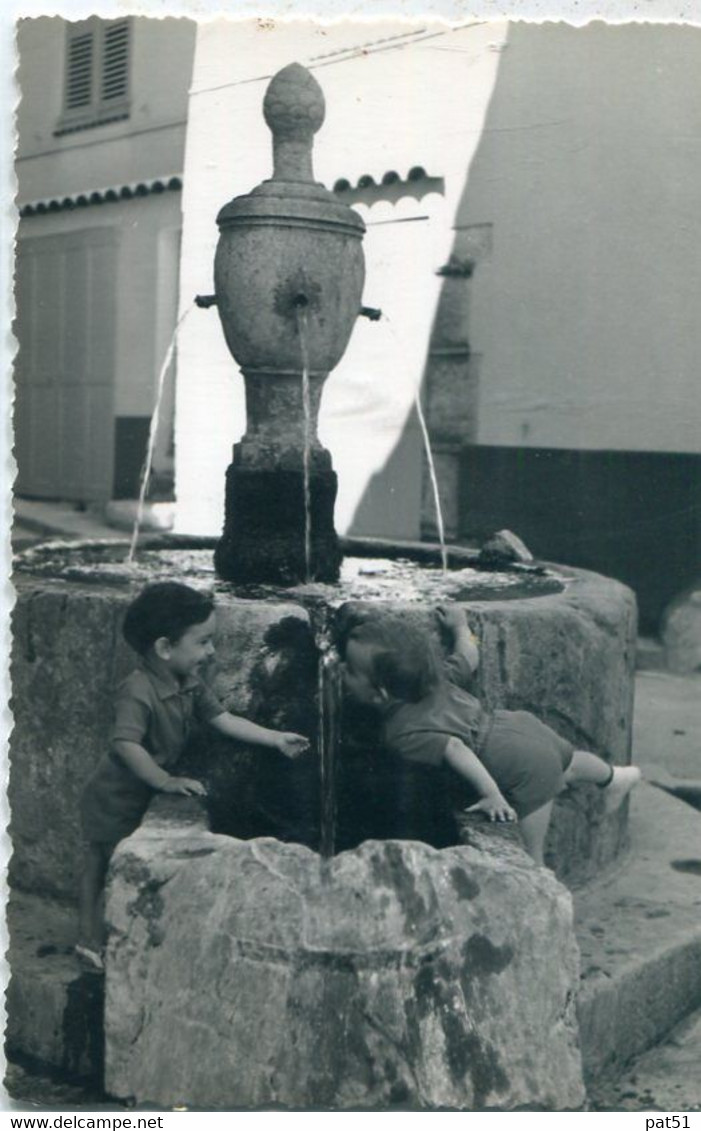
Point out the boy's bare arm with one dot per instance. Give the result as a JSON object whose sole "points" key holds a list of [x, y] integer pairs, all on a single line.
{"points": [[289, 744], [466, 763], [453, 619], [142, 765]]}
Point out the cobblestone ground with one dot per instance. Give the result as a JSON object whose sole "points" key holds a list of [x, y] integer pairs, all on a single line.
{"points": [[667, 726], [664, 1079], [30, 1090]]}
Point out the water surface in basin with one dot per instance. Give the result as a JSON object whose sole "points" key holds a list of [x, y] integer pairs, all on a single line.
{"points": [[362, 578]]}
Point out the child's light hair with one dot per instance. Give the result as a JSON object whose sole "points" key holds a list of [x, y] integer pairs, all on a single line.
{"points": [[403, 659]]}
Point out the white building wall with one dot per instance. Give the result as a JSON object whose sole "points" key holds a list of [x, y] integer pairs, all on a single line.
{"points": [[586, 314], [419, 100]]}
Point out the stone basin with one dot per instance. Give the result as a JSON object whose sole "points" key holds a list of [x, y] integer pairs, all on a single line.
{"points": [[567, 655], [249, 974], [373, 959]]}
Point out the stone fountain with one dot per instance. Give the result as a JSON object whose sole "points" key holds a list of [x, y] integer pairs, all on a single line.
{"points": [[244, 969], [289, 275]]}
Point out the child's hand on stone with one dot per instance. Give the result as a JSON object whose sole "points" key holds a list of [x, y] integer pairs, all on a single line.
{"points": [[291, 745], [451, 618], [189, 787], [495, 807]]}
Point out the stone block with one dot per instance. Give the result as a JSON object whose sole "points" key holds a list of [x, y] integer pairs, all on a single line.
{"points": [[394, 974], [66, 658]]}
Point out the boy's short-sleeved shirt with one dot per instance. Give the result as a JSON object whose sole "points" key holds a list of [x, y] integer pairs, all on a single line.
{"points": [[419, 732], [157, 711], [526, 758]]}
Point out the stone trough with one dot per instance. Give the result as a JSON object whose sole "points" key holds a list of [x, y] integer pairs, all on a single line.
{"points": [[250, 974], [243, 970]]}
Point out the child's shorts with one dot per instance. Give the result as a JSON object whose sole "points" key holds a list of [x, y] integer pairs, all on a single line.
{"points": [[526, 759], [113, 803]]}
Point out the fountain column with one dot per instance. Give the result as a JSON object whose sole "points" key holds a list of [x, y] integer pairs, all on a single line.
{"points": [[289, 274]]}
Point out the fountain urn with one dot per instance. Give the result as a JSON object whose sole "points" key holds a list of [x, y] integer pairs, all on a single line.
{"points": [[289, 273]]}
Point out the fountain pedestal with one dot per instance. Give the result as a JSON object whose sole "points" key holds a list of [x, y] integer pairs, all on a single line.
{"points": [[269, 497], [289, 275], [266, 504]]}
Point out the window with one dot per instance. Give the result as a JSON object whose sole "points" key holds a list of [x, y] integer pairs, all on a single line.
{"points": [[97, 74]]}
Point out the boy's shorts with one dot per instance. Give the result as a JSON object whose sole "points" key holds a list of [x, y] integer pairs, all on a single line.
{"points": [[113, 804], [526, 759]]}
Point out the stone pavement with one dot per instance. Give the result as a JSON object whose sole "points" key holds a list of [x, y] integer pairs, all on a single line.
{"points": [[37, 520], [667, 746], [667, 1078], [667, 726]]}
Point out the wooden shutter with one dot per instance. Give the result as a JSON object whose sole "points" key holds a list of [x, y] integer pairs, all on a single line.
{"points": [[79, 78], [115, 63], [97, 74]]}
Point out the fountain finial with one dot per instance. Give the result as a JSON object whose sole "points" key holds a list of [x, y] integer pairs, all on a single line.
{"points": [[294, 109]]}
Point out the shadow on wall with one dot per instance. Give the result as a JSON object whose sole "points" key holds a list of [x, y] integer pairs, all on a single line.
{"points": [[571, 419], [390, 506]]}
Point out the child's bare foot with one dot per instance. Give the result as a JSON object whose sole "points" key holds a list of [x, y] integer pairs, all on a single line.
{"points": [[624, 779]]}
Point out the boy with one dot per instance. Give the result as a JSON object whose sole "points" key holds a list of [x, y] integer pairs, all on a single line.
{"points": [[513, 762], [171, 627]]}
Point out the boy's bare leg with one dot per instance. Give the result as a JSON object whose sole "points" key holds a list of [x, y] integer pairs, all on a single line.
{"points": [[534, 829], [587, 767], [617, 780], [92, 882]]}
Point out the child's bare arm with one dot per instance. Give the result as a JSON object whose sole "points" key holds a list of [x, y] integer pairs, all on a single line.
{"points": [[289, 744], [452, 619], [466, 763], [142, 765]]}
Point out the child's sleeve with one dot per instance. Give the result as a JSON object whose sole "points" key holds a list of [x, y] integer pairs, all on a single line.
{"points": [[207, 705], [132, 714]]}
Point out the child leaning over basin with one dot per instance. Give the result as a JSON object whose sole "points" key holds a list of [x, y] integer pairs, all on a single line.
{"points": [[171, 627], [513, 762]]}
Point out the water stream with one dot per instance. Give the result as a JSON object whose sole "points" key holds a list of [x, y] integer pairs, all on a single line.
{"points": [[434, 480], [301, 314], [330, 691], [430, 460], [153, 432]]}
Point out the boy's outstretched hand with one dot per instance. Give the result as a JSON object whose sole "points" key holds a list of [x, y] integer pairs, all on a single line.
{"points": [[495, 807], [290, 744], [189, 787]]}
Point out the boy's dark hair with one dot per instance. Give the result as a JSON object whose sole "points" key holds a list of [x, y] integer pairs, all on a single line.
{"points": [[165, 608], [404, 661]]}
